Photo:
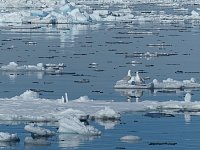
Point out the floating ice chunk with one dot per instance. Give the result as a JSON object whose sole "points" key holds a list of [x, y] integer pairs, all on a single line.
{"points": [[78, 16], [12, 66], [83, 99], [38, 13], [70, 124], [130, 139], [38, 131], [106, 114], [8, 137], [72, 112], [195, 14], [27, 95]]}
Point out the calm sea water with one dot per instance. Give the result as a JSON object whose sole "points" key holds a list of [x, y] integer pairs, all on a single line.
{"points": [[107, 44]]}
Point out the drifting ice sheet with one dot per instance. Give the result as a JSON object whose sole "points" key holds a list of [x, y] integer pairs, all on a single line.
{"points": [[28, 106]]}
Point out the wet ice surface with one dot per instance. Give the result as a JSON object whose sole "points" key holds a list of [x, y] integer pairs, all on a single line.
{"points": [[98, 55]]}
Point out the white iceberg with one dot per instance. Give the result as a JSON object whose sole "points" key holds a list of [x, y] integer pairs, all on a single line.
{"points": [[72, 125], [8, 137]]}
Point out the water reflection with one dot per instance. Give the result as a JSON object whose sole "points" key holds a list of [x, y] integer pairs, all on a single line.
{"points": [[138, 93], [39, 142], [67, 33], [73, 140], [39, 74], [108, 124], [10, 144], [132, 93]]}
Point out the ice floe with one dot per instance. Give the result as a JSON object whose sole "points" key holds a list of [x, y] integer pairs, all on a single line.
{"points": [[12, 66], [106, 114], [38, 131], [29, 107], [130, 139], [8, 137], [138, 83], [69, 124], [34, 108]]}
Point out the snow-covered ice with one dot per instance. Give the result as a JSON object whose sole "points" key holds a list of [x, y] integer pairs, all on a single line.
{"points": [[55, 11], [69, 124], [38, 131], [8, 137], [135, 82], [12, 66], [28, 106], [106, 114]]}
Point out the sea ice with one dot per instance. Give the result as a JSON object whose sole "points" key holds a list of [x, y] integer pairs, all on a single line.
{"points": [[28, 106], [136, 82], [55, 68], [70, 124], [130, 139], [8, 137], [38, 131], [106, 114]]}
